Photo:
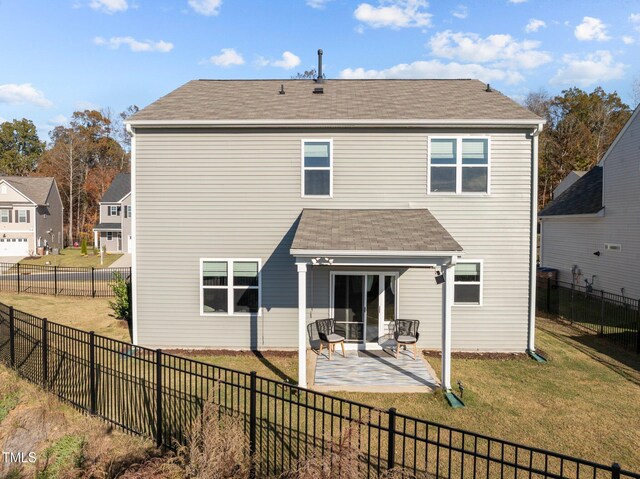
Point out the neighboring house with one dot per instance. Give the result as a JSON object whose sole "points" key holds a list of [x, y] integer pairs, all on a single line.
{"points": [[30, 215], [114, 229], [566, 183], [591, 232], [261, 206]]}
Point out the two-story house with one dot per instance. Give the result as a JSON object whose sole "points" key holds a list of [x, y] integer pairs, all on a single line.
{"points": [[30, 215], [114, 229], [263, 205], [590, 233]]}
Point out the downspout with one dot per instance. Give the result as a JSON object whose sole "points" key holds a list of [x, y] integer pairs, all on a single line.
{"points": [[531, 338], [134, 239]]}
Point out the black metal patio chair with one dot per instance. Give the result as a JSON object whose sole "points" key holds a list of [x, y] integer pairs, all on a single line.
{"points": [[327, 334], [405, 332]]}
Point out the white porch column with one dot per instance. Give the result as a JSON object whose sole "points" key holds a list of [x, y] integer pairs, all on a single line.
{"points": [[95, 239], [447, 301], [302, 324]]}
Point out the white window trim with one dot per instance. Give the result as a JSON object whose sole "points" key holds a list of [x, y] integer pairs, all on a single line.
{"points": [[20, 216], [2, 215], [481, 283], [128, 207], [303, 169], [229, 287], [107, 235], [458, 165], [113, 210]]}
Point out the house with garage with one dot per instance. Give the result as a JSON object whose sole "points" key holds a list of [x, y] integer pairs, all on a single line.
{"points": [[113, 232], [30, 215], [262, 206], [591, 232]]}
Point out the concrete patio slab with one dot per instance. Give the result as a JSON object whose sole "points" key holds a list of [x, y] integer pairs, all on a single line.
{"points": [[373, 371]]}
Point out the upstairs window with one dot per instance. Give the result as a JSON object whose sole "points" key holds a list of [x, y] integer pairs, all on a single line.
{"points": [[113, 210], [317, 165], [230, 287], [5, 216], [22, 216], [459, 165]]}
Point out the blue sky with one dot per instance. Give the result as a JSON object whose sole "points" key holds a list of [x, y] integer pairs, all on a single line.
{"points": [[63, 55]]}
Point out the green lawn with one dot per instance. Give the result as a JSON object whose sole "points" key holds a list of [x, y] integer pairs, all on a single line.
{"points": [[583, 402], [72, 257]]}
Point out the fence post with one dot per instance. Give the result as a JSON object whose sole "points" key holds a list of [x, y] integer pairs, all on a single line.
{"points": [[391, 453], [12, 338], [601, 312], [615, 471], [92, 372], [18, 267], [159, 434], [549, 295], [638, 317], [55, 280], [93, 283], [45, 354], [573, 288], [252, 423]]}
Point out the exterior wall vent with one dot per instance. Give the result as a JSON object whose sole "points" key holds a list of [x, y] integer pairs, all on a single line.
{"points": [[612, 247], [318, 91]]}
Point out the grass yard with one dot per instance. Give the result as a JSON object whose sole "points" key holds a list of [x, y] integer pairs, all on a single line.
{"points": [[72, 257], [583, 403]]}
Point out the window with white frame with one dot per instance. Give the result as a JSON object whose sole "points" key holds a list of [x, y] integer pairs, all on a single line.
{"points": [[317, 164], [467, 283], [4, 216], [230, 286], [22, 216], [114, 210], [109, 235], [459, 165], [128, 211]]}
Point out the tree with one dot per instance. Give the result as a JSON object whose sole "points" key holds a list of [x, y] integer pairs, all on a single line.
{"points": [[20, 147], [580, 127], [306, 75]]}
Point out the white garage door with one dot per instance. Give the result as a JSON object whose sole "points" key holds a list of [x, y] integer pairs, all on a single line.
{"points": [[14, 247]]}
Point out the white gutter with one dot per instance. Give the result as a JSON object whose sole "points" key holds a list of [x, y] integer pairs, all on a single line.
{"points": [[375, 254], [342, 123], [531, 339]]}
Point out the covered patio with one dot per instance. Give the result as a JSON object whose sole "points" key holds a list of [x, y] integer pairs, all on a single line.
{"points": [[371, 242]]}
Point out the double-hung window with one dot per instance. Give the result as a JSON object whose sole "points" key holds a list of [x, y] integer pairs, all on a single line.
{"points": [[114, 210], [22, 216], [317, 166], [459, 165], [230, 286], [468, 283], [4, 216]]}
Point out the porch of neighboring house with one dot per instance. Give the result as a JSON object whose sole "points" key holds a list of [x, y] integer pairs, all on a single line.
{"points": [[361, 249], [108, 235]]}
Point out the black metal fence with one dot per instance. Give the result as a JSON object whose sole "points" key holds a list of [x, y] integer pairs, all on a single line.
{"points": [[59, 280], [156, 394], [612, 316]]}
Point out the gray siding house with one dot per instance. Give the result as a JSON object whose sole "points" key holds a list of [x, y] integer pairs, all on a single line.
{"points": [[30, 215], [592, 231], [262, 206], [114, 229]]}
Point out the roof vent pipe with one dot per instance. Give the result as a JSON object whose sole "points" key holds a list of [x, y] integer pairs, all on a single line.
{"points": [[489, 90], [320, 78]]}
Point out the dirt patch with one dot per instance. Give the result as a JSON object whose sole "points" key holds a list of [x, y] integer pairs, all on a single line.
{"points": [[232, 353]]}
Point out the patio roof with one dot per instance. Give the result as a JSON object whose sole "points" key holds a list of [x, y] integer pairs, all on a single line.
{"points": [[108, 227], [392, 232]]}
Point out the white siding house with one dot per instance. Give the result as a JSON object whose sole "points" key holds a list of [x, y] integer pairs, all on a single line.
{"points": [[591, 232], [230, 178]]}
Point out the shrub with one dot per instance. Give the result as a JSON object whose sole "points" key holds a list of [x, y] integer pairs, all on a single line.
{"points": [[122, 291], [83, 247], [217, 446]]}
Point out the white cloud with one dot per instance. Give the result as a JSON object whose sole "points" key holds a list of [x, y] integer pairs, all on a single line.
{"points": [[58, 120], [500, 49], [86, 105], [635, 19], [3, 120], [15, 94], [394, 14], [534, 25], [461, 11], [288, 61], [627, 40], [109, 6], [228, 57], [591, 29], [517, 1], [595, 68], [436, 69], [209, 8], [317, 4], [134, 45]]}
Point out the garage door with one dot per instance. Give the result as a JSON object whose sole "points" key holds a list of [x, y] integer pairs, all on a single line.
{"points": [[14, 247]]}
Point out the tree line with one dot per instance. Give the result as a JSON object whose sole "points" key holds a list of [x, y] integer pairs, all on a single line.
{"points": [[86, 154], [83, 156]]}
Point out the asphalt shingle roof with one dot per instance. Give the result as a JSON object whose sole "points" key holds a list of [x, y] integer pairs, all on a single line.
{"points": [[201, 100], [107, 226], [120, 186], [583, 197], [372, 230], [35, 188]]}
